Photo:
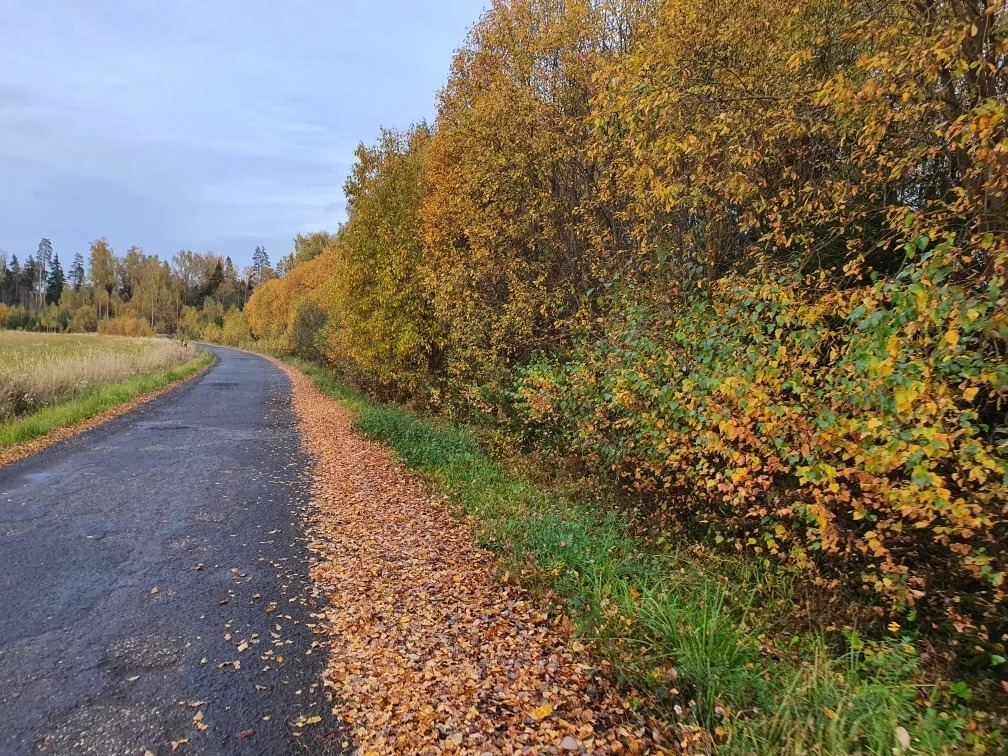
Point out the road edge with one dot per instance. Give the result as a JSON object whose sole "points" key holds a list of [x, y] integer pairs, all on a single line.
{"points": [[30, 448]]}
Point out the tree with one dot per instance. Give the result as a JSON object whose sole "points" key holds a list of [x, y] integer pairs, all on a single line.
{"points": [[285, 265], [12, 279], [188, 266], [260, 261], [26, 283], [309, 246], [77, 271], [228, 293], [42, 261], [130, 270], [214, 280], [514, 227], [55, 282], [103, 270]]}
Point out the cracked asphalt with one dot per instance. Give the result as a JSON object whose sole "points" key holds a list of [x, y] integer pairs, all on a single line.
{"points": [[139, 561]]}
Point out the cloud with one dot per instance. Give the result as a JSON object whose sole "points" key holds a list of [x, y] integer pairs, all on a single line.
{"points": [[202, 125]]}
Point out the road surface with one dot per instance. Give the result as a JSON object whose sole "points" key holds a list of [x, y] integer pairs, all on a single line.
{"points": [[140, 560]]}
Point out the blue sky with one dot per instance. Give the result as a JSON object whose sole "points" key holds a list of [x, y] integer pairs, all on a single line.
{"points": [[203, 124]]}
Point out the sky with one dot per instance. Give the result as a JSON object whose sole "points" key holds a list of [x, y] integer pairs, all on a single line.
{"points": [[211, 125]]}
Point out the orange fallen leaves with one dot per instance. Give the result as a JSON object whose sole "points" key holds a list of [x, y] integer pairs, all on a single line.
{"points": [[430, 653]]}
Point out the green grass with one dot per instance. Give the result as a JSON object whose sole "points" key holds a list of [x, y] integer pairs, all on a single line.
{"points": [[94, 400], [696, 638]]}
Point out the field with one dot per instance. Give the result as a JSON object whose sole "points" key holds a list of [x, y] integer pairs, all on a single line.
{"points": [[49, 381]]}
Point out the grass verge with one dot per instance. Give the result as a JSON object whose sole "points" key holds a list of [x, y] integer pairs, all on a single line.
{"points": [[92, 402], [699, 639]]}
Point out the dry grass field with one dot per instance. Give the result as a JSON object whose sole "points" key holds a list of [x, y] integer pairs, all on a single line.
{"points": [[54, 381], [38, 370]]}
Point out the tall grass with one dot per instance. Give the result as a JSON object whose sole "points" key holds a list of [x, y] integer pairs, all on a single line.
{"points": [[47, 374], [700, 639]]}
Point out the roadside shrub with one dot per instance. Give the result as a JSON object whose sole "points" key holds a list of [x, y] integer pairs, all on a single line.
{"points": [[189, 324], [125, 326], [212, 333], [307, 319], [235, 331], [84, 319], [859, 432]]}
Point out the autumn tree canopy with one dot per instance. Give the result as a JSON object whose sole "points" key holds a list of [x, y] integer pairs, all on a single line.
{"points": [[748, 257]]}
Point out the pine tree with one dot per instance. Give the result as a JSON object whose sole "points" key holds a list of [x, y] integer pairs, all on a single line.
{"points": [[77, 271], [55, 282], [29, 275], [42, 261], [215, 280], [260, 261]]}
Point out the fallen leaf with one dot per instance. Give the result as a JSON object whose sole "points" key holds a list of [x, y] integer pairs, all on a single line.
{"points": [[569, 744], [398, 573], [198, 721], [247, 733], [541, 712]]}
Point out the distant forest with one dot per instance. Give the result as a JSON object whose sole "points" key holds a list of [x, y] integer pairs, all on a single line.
{"points": [[134, 293]]}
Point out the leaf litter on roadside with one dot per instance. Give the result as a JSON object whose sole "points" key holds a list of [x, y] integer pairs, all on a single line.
{"points": [[430, 654]]}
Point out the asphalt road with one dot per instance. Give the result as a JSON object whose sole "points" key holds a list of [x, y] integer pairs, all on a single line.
{"points": [[137, 558]]}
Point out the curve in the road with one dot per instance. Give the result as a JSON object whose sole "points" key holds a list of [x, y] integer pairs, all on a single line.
{"points": [[154, 585]]}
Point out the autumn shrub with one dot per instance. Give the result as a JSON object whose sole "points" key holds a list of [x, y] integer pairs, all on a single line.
{"points": [[703, 639], [855, 431], [272, 313], [307, 320], [212, 333], [235, 331], [83, 320], [125, 326], [17, 317], [386, 323], [190, 324]]}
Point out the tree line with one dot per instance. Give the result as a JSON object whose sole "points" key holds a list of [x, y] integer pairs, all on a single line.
{"points": [[134, 293], [747, 259]]}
